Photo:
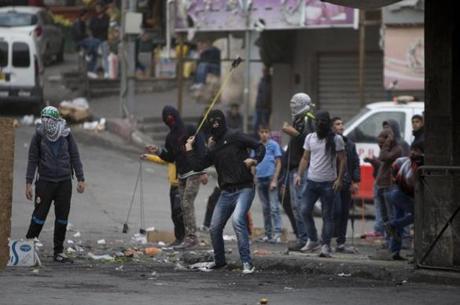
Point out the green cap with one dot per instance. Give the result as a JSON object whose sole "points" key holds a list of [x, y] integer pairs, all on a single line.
{"points": [[50, 112]]}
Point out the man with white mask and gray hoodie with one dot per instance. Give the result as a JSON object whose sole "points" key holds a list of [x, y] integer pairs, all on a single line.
{"points": [[53, 160]]}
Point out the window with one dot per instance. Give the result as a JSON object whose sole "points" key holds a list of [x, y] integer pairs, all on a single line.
{"points": [[369, 129], [3, 54], [21, 55], [14, 19]]}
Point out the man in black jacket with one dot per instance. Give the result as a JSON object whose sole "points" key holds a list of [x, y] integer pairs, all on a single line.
{"points": [[228, 152], [351, 179], [189, 180], [54, 152], [418, 129]]}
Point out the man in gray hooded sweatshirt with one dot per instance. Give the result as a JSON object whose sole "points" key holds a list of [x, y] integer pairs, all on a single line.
{"points": [[54, 153]]}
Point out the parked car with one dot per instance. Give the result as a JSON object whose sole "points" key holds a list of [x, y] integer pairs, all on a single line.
{"points": [[39, 24], [21, 70], [364, 128]]}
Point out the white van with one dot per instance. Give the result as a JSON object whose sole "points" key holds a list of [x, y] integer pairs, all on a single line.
{"points": [[21, 70], [364, 128]]}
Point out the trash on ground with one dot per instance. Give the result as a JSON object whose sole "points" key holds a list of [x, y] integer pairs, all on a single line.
{"points": [[70, 250], [139, 238], [76, 110], [152, 251], [154, 236], [36, 271], [76, 235], [179, 266], [344, 274], [161, 244], [119, 268], [229, 237], [101, 242], [70, 242], [263, 301], [23, 253], [79, 249], [288, 288], [104, 257], [133, 252], [27, 120], [261, 252], [204, 267], [95, 125]]}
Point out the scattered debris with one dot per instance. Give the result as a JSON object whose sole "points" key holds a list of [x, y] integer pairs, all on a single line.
{"points": [[101, 242], [229, 237], [76, 235], [204, 267], [261, 252], [179, 267], [161, 244], [95, 125], [70, 250], [104, 257], [401, 283], [119, 268], [152, 251], [133, 252], [139, 238], [79, 249], [288, 288], [27, 120], [76, 110], [35, 271], [70, 242], [344, 274], [263, 301]]}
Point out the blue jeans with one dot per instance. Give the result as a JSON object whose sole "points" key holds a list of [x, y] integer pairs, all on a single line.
{"points": [[404, 214], [237, 203], [378, 226], [204, 69], [386, 210], [341, 213], [296, 201], [270, 206], [324, 192], [91, 45]]}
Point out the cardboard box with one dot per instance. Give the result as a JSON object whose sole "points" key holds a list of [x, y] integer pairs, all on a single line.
{"points": [[157, 236], [23, 253]]}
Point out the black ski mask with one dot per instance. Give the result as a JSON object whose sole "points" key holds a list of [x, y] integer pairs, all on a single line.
{"points": [[216, 124], [324, 131], [299, 122]]}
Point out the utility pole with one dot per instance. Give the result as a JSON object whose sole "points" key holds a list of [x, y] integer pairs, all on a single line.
{"points": [[362, 56], [247, 74], [128, 63], [180, 72]]}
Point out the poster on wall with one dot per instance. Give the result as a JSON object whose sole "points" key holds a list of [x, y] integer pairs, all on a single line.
{"points": [[404, 58], [230, 15]]}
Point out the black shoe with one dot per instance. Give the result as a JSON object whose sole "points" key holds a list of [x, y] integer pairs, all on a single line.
{"points": [[62, 258], [296, 246], [391, 231], [214, 266], [398, 257]]}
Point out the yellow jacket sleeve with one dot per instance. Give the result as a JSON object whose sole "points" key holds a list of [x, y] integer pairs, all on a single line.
{"points": [[155, 159], [172, 174]]}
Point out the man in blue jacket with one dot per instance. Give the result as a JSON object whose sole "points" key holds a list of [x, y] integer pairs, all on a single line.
{"points": [[54, 153], [351, 179]]}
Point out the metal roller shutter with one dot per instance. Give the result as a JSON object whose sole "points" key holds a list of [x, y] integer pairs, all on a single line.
{"points": [[337, 87]]}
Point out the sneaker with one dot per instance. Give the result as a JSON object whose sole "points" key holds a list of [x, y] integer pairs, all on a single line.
{"points": [[265, 239], [214, 266], [62, 258], [248, 268], [310, 246], [203, 228], [325, 251], [276, 238], [341, 248], [176, 243], [188, 243], [296, 246]]}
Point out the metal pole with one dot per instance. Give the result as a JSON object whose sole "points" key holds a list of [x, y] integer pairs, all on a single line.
{"points": [[362, 56], [247, 75], [128, 64], [180, 73]]}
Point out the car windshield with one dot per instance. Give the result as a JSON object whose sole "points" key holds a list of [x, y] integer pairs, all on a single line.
{"points": [[353, 119], [17, 19]]}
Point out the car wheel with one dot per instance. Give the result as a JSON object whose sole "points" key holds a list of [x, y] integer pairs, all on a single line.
{"points": [[60, 54]]}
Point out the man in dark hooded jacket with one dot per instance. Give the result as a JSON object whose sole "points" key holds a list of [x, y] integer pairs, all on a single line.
{"points": [[189, 180], [228, 151], [394, 126]]}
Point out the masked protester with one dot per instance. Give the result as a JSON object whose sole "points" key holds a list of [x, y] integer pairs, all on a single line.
{"points": [[54, 153], [324, 151], [401, 196], [229, 153], [189, 180], [302, 125]]}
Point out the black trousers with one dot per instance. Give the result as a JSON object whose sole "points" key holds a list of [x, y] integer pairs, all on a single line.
{"points": [[176, 213], [45, 193], [286, 203], [212, 201]]}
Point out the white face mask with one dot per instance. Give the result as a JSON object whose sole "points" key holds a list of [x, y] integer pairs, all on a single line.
{"points": [[54, 128]]}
